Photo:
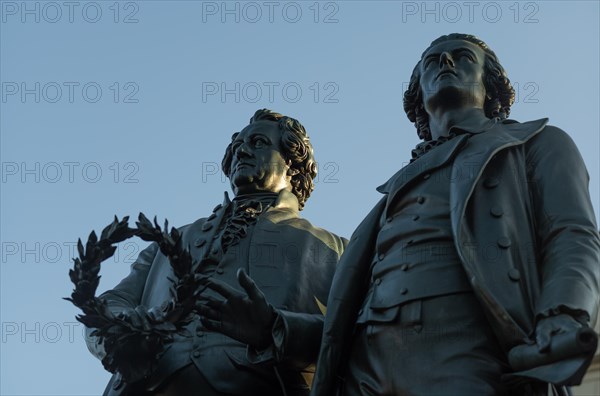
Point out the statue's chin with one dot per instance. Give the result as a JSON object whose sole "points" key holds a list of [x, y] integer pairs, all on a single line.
{"points": [[244, 186], [453, 94]]}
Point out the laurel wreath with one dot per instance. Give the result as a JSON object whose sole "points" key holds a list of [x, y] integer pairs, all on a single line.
{"points": [[140, 345]]}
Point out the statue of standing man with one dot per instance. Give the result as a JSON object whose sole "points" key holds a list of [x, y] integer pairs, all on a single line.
{"points": [[259, 233], [486, 241]]}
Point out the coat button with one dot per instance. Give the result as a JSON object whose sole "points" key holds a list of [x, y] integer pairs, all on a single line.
{"points": [[504, 242], [215, 250], [378, 281], [389, 219], [196, 354], [220, 271], [404, 267], [200, 242], [416, 217], [421, 200], [491, 182], [199, 333], [404, 290], [207, 226], [514, 274], [426, 176], [381, 256], [496, 211]]}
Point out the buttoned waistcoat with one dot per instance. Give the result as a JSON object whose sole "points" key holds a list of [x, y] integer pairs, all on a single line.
{"points": [[523, 226]]}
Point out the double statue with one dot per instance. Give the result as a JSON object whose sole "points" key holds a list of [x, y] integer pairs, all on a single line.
{"points": [[477, 273]]}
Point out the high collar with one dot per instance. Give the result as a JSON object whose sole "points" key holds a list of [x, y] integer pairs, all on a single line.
{"points": [[266, 199], [474, 125], [285, 200]]}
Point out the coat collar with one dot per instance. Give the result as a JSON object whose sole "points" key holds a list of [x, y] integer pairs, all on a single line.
{"points": [[499, 132], [286, 200]]}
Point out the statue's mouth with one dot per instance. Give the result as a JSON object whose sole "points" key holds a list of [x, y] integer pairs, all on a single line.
{"points": [[243, 164], [445, 73]]}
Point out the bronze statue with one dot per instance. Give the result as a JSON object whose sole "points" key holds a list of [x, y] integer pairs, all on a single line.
{"points": [[484, 245], [259, 233]]}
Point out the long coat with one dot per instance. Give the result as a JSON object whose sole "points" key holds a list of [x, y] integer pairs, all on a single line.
{"points": [[292, 262], [523, 227]]}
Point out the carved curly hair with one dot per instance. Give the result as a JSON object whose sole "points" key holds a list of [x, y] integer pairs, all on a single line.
{"points": [[296, 148], [500, 94]]}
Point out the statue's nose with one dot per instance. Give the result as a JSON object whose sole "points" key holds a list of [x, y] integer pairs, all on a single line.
{"points": [[446, 60], [243, 151]]}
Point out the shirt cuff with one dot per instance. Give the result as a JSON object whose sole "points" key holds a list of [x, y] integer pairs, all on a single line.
{"points": [[274, 352]]}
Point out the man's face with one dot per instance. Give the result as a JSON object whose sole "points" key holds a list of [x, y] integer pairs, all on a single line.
{"points": [[257, 164], [452, 74]]}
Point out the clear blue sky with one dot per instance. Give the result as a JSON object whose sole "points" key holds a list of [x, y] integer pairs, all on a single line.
{"points": [[119, 108]]}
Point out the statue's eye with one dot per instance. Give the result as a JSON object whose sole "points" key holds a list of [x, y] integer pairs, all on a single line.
{"points": [[260, 142], [429, 61], [467, 55]]}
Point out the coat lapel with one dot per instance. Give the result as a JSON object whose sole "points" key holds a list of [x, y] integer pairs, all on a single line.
{"points": [[471, 161]]}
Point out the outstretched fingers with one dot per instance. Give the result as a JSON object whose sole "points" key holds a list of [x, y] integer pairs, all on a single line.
{"points": [[208, 312], [249, 286], [222, 288]]}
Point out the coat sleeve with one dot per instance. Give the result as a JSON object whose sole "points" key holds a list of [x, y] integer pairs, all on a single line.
{"points": [[297, 335], [296, 338], [127, 294], [567, 235]]}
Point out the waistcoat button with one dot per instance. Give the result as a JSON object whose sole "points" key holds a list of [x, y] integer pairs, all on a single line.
{"points": [[514, 274], [504, 242], [496, 211]]}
